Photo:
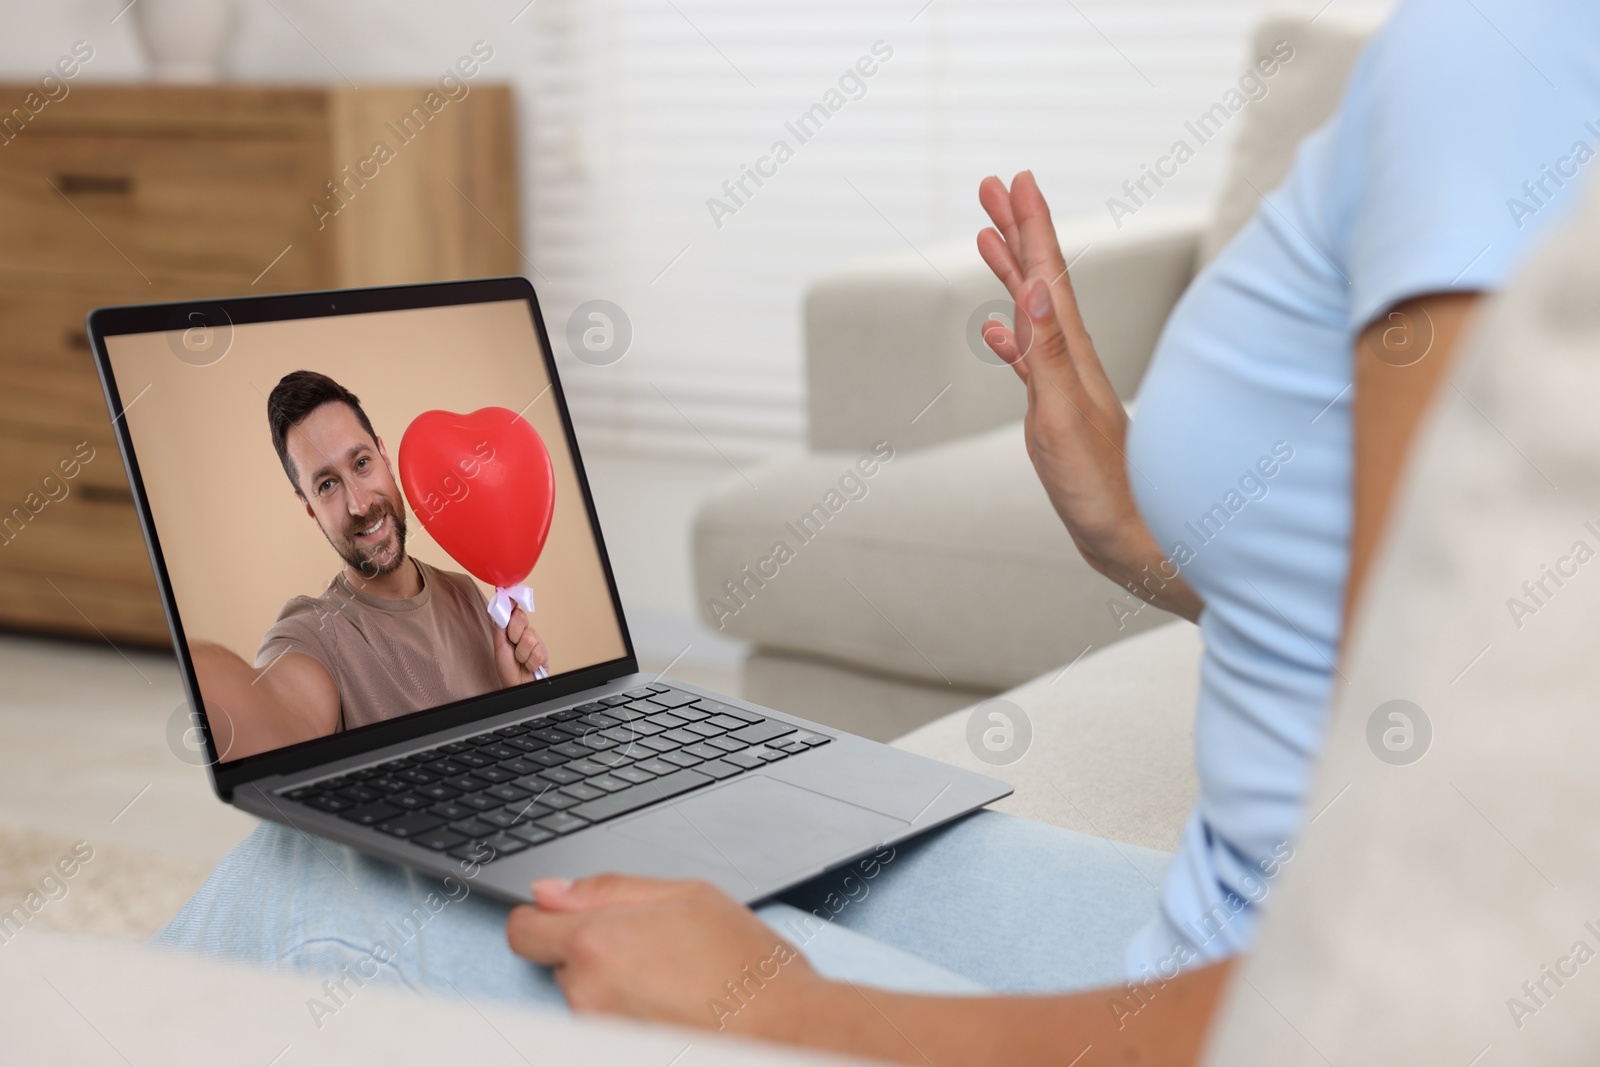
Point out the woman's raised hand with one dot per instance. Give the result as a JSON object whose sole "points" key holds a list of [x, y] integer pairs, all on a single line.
{"points": [[1076, 427]]}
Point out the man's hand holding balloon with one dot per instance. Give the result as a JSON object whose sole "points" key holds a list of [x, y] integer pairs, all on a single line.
{"points": [[484, 487], [519, 650]]}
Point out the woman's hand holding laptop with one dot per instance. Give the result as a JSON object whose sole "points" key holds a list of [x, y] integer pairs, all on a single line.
{"points": [[658, 949]]}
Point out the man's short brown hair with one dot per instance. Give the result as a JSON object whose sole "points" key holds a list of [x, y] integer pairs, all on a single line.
{"points": [[297, 395]]}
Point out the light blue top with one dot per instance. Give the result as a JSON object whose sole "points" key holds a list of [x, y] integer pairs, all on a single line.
{"points": [[1240, 455]]}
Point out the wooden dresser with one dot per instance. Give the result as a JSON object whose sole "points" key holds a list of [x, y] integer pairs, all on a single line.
{"points": [[122, 194]]}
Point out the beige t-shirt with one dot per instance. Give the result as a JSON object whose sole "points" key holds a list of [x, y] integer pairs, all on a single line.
{"points": [[392, 657]]}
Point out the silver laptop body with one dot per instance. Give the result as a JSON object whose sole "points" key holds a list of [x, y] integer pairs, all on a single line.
{"points": [[594, 770]]}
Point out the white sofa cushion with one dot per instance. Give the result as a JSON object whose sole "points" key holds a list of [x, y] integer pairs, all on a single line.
{"points": [[953, 569], [1425, 895], [1113, 741]]}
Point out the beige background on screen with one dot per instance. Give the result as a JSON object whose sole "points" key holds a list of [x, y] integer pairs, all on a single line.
{"points": [[238, 542]]}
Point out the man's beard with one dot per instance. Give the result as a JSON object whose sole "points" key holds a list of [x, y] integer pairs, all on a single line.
{"points": [[382, 557]]}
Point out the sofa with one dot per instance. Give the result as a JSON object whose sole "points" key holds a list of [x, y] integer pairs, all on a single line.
{"points": [[84, 1001], [933, 573]]}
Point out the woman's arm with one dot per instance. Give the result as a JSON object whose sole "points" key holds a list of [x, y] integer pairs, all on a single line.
{"points": [[1401, 360], [1076, 428], [686, 953]]}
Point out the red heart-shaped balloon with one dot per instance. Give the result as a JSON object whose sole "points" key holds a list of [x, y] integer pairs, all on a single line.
{"points": [[483, 486]]}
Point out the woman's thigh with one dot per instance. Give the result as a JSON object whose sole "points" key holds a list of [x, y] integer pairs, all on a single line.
{"points": [[1011, 904]]}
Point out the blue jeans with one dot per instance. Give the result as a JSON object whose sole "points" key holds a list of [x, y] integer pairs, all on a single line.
{"points": [[990, 903]]}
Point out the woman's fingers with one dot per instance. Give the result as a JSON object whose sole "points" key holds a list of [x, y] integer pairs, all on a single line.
{"points": [[1039, 253], [996, 200], [1024, 246], [999, 245], [1046, 346], [606, 891], [541, 932], [1003, 342], [541, 935], [992, 247]]}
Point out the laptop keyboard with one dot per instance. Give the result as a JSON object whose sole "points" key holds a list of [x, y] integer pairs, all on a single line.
{"points": [[514, 787]]}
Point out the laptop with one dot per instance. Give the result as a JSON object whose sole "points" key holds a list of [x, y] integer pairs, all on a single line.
{"points": [[349, 678]]}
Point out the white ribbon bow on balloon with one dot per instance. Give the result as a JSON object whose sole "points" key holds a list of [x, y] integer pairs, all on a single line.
{"points": [[505, 597]]}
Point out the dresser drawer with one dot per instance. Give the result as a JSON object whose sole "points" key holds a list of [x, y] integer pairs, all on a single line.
{"points": [[65, 507], [145, 207], [123, 612], [48, 392], [48, 383], [72, 557], [47, 375]]}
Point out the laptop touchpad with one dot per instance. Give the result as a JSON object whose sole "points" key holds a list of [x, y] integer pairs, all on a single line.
{"points": [[764, 830]]}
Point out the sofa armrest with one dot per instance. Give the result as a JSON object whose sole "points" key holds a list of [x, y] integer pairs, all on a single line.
{"points": [[1112, 746], [888, 337]]}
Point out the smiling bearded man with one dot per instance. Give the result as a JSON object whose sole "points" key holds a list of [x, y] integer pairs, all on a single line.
{"points": [[390, 635]]}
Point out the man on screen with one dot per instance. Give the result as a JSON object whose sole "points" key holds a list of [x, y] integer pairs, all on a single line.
{"points": [[390, 635]]}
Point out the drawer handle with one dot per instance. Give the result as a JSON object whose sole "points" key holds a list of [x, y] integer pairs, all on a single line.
{"points": [[105, 494], [107, 184]]}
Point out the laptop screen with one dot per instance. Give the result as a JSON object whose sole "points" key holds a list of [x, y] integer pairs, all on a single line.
{"points": [[364, 516]]}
